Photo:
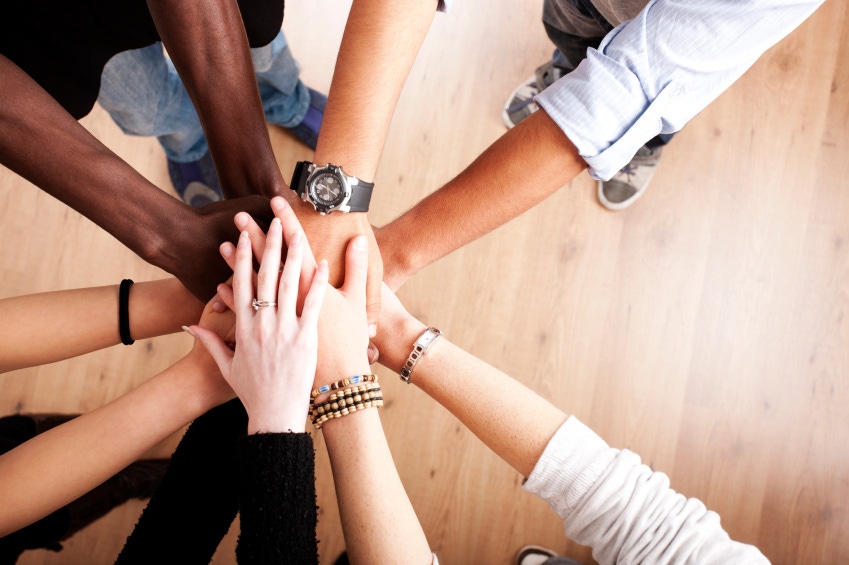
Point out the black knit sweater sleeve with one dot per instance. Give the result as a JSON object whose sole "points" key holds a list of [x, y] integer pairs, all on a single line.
{"points": [[197, 500], [277, 506]]}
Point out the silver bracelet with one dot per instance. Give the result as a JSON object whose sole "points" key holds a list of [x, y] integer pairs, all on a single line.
{"points": [[419, 348]]}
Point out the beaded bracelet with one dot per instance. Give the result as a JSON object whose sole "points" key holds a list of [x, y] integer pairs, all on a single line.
{"points": [[320, 420], [344, 397], [359, 398], [343, 383]]}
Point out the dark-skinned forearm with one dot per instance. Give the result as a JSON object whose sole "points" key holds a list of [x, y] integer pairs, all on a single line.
{"points": [[44, 144], [207, 42]]}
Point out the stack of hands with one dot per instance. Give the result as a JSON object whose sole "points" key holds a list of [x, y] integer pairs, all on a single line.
{"points": [[293, 331]]}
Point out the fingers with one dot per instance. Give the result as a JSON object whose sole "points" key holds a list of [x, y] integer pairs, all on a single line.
{"points": [[315, 297], [228, 252], [287, 298], [246, 222], [292, 226], [356, 267], [269, 268], [372, 306], [225, 293], [375, 276], [242, 277], [373, 353], [221, 354]]}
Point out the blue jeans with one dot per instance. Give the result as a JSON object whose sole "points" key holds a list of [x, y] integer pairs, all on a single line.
{"points": [[143, 93]]}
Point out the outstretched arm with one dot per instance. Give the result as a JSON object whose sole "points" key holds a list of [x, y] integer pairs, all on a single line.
{"points": [[522, 168], [209, 47], [507, 416], [380, 43], [59, 325], [45, 145], [58, 466], [378, 520], [608, 500]]}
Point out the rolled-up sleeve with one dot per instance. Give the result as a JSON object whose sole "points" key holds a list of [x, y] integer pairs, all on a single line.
{"points": [[654, 73]]}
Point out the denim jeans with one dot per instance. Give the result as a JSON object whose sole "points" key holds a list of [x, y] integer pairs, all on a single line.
{"points": [[143, 93], [575, 26]]}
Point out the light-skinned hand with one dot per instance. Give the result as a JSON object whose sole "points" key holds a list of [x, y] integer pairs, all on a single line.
{"points": [[272, 367]]}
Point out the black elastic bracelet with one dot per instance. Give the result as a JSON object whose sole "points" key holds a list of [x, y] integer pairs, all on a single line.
{"points": [[124, 312]]}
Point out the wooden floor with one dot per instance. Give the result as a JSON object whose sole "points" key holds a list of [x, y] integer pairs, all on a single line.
{"points": [[706, 328]]}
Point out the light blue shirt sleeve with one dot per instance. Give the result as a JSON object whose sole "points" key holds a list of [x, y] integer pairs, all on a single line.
{"points": [[654, 73]]}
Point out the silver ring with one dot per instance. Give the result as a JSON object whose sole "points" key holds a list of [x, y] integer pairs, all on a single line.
{"points": [[257, 304]]}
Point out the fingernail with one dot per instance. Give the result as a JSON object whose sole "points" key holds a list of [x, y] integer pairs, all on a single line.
{"points": [[218, 306], [244, 239], [189, 331], [275, 221], [241, 221], [372, 330], [226, 251], [360, 243]]}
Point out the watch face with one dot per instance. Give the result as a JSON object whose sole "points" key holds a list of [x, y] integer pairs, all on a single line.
{"points": [[327, 190]]}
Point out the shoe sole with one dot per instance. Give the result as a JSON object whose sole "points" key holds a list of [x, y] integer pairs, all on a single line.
{"points": [[617, 207]]}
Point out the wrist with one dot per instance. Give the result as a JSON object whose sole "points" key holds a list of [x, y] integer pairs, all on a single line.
{"points": [[200, 385], [399, 262], [394, 343]]}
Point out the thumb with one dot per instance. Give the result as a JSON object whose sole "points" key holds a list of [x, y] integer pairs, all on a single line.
{"points": [[221, 354], [356, 267]]}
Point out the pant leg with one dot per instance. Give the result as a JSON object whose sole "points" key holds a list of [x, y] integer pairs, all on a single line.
{"points": [[285, 98], [573, 28], [143, 93]]}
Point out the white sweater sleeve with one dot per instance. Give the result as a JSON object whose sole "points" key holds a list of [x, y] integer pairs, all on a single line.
{"points": [[623, 510]]}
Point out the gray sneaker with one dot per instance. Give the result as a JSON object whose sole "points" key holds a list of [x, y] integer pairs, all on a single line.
{"points": [[629, 184], [521, 103], [536, 555]]}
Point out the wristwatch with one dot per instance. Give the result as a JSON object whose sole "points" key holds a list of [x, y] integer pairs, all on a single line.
{"points": [[329, 189]]}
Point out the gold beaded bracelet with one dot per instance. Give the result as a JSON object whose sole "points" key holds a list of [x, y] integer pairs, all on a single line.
{"points": [[345, 402]]}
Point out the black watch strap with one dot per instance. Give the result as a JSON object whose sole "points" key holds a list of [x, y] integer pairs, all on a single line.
{"points": [[360, 196], [299, 177]]}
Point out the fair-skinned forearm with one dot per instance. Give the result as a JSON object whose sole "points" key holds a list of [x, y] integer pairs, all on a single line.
{"points": [[378, 520], [60, 465], [380, 43], [512, 420], [209, 47], [382, 40], [53, 326], [527, 164]]}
